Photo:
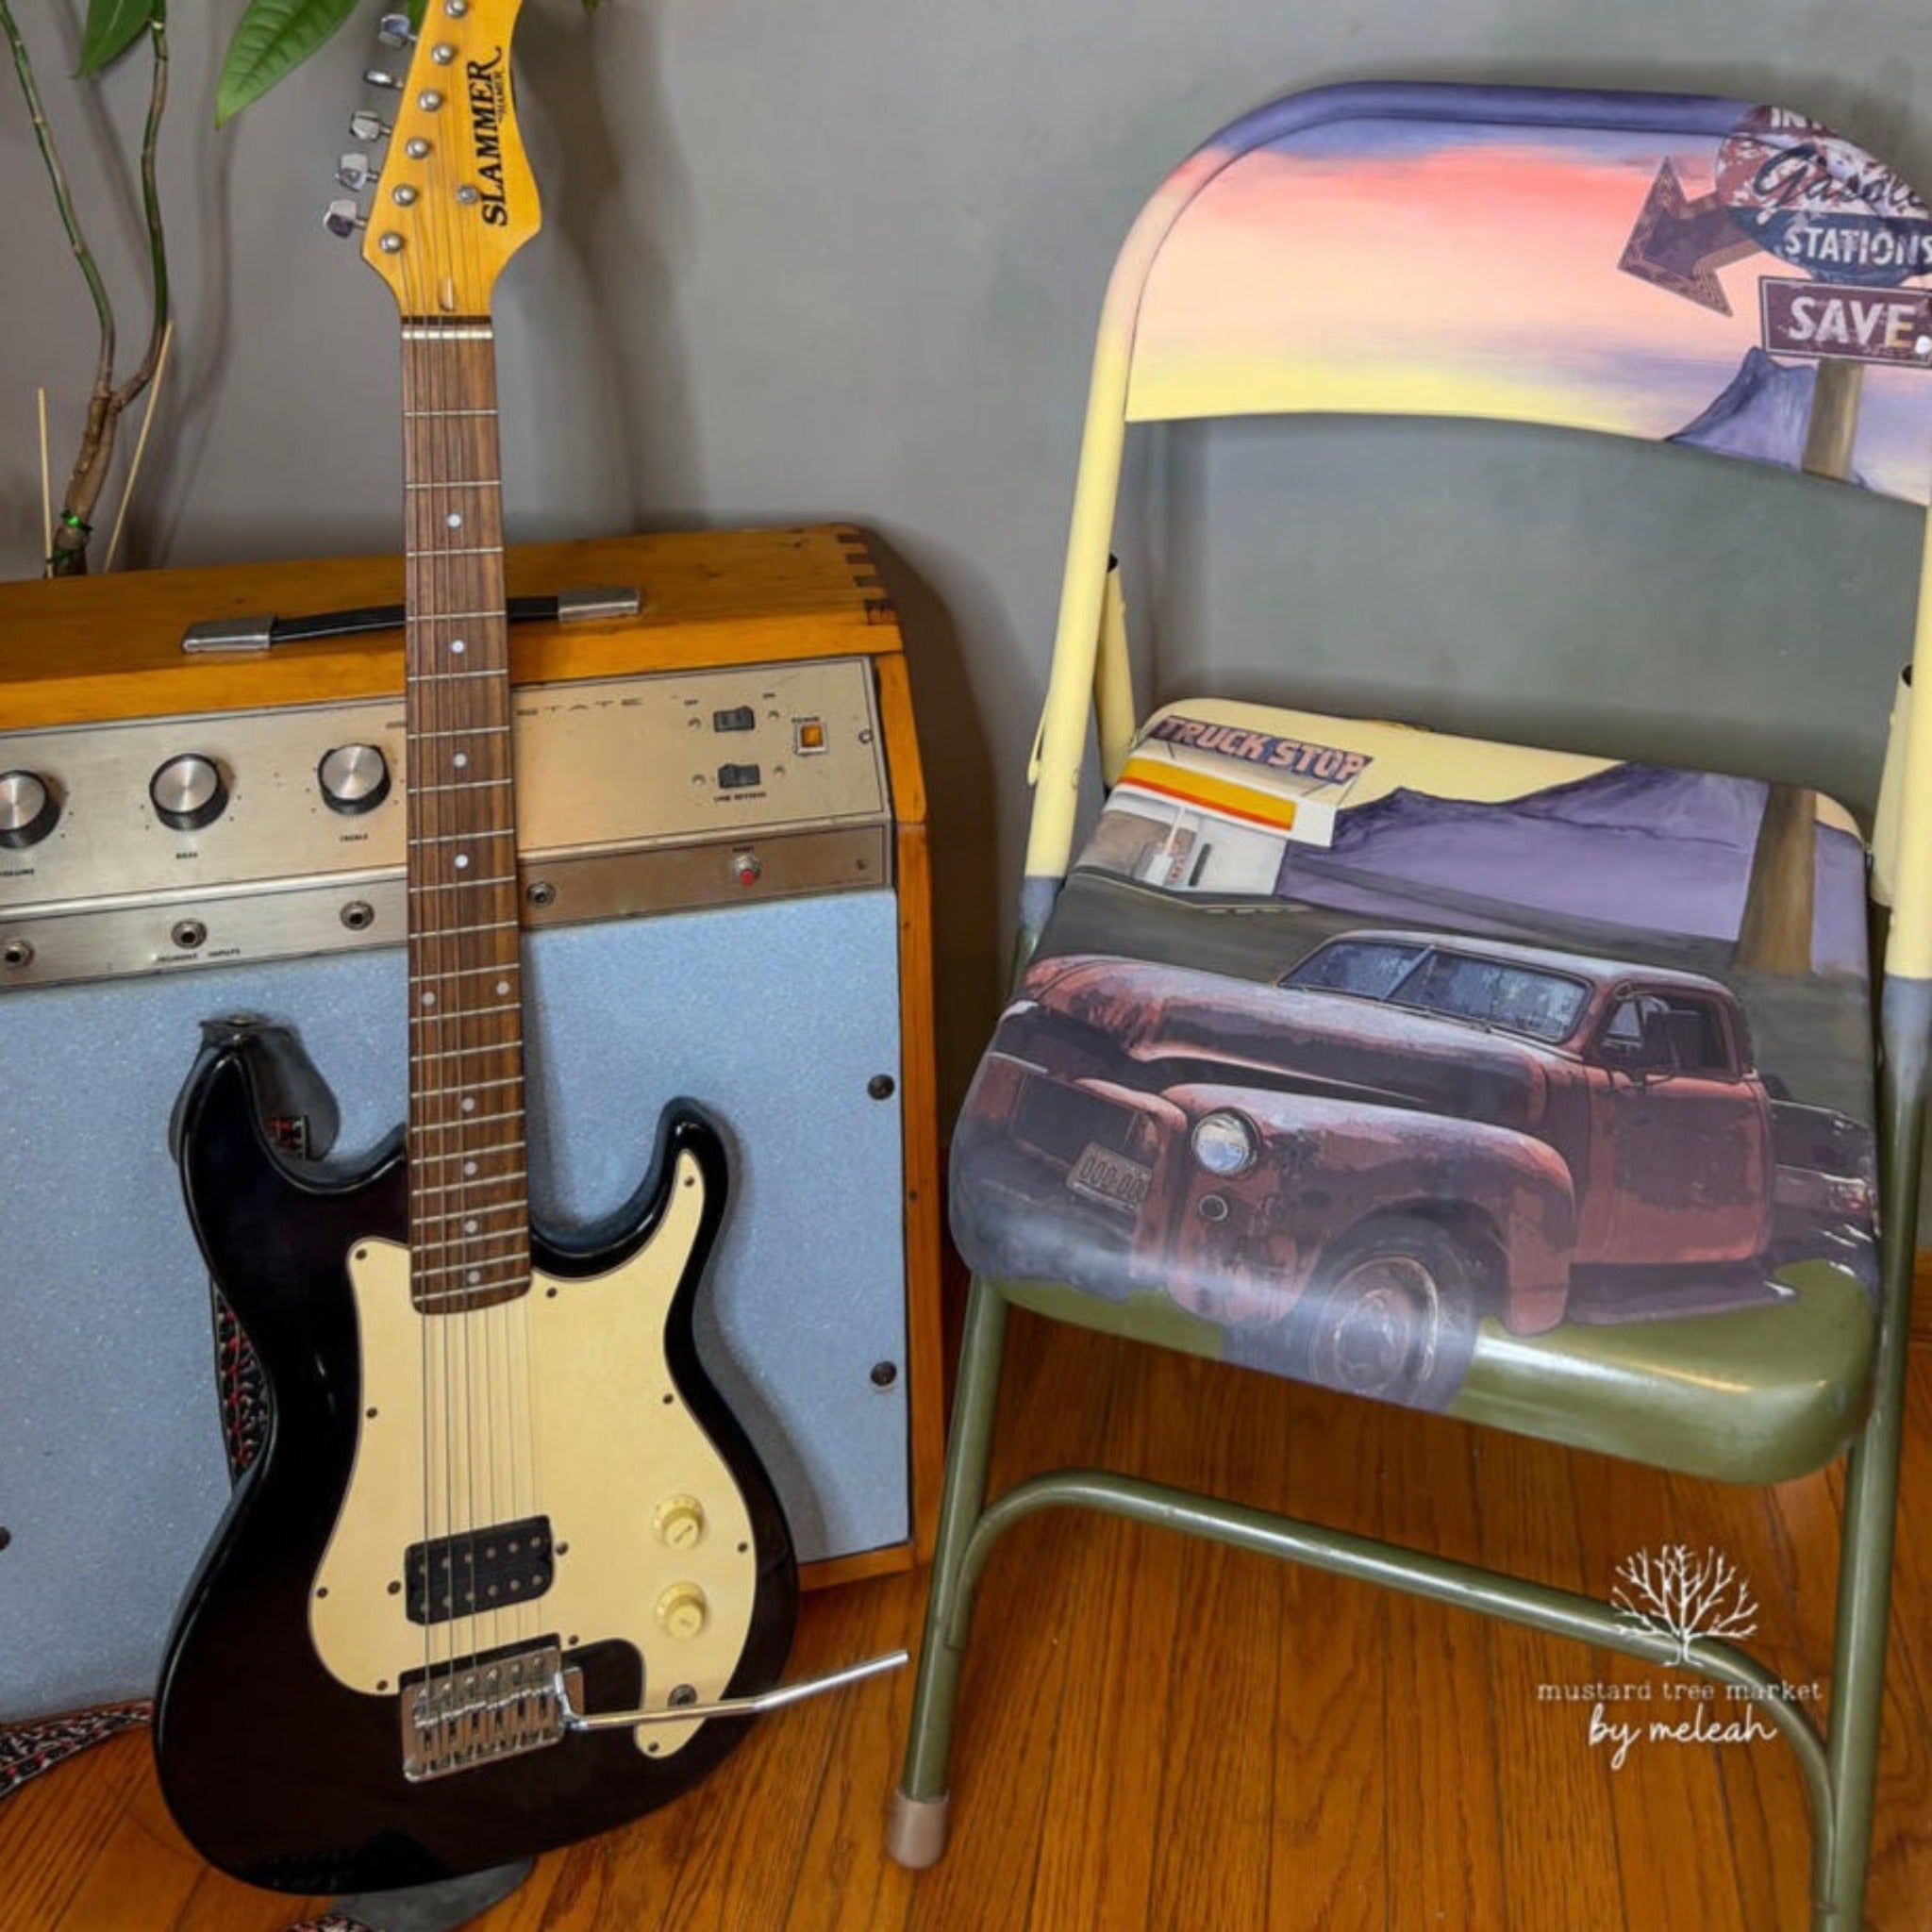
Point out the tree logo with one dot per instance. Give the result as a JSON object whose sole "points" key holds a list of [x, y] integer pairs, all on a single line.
{"points": [[1684, 1596]]}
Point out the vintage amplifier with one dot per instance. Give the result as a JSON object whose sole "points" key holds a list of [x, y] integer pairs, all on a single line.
{"points": [[722, 852]]}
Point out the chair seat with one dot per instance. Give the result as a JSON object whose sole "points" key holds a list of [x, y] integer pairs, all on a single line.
{"points": [[1526, 1086]]}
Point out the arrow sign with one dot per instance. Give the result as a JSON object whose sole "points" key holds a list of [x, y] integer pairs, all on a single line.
{"points": [[1680, 244]]}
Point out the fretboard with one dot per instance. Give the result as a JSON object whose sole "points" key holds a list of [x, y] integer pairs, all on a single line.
{"points": [[469, 1214]]}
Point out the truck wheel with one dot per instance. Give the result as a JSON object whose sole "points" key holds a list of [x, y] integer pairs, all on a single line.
{"points": [[1392, 1315]]}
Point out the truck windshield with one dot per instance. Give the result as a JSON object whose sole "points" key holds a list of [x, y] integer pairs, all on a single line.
{"points": [[1493, 992]]}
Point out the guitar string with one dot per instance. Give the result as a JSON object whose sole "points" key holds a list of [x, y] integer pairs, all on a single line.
{"points": [[415, 399], [438, 369]]}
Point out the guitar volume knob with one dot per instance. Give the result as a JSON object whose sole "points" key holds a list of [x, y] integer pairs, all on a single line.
{"points": [[679, 1521], [683, 1611]]}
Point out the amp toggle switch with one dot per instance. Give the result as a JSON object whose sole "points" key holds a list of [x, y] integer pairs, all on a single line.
{"points": [[683, 1611]]}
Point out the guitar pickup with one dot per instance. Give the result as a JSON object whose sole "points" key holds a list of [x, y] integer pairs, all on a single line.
{"points": [[479, 1570]]}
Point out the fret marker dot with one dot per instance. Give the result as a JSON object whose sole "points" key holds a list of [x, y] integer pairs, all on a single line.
{"points": [[502, 987], [428, 999], [462, 758], [458, 647], [468, 1105], [469, 1227], [469, 1167], [475, 1274], [461, 860], [454, 520]]}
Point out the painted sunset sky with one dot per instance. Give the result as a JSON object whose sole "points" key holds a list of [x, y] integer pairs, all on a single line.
{"points": [[1436, 266]]}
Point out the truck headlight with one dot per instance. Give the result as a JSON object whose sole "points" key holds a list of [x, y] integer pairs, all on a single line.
{"points": [[1224, 1144]]}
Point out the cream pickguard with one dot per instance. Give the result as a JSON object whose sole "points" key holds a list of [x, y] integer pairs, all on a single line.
{"points": [[558, 1404]]}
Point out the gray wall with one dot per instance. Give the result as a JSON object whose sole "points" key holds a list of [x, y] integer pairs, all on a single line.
{"points": [[805, 261]]}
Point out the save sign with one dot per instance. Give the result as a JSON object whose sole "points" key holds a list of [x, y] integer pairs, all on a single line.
{"points": [[1852, 321]]}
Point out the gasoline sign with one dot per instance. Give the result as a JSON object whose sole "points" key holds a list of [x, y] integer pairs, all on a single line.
{"points": [[1826, 207]]}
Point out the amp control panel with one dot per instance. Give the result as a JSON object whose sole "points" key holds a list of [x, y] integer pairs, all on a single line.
{"points": [[165, 842]]}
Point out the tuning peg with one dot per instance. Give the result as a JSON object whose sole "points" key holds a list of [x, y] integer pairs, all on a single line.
{"points": [[354, 174], [365, 126], [393, 30], [343, 218], [376, 77]]}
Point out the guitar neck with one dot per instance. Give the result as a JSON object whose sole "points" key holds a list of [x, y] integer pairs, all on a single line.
{"points": [[469, 1216]]}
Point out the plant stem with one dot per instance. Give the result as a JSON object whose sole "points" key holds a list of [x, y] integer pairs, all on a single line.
{"points": [[43, 134], [68, 554], [151, 206]]}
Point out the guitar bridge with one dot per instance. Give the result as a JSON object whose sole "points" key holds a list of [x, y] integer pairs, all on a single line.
{"points": [[501, 1706]]}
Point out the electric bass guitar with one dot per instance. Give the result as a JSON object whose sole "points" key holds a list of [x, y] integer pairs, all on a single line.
{"points": [[506, 1549]]}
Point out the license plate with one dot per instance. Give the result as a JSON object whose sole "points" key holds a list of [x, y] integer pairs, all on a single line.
{"points": [[1104, 1175]]}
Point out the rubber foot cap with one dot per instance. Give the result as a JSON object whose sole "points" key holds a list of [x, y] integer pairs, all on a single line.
{"points": [[916, 1831]]}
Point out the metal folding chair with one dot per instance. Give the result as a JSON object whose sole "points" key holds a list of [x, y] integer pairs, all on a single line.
{"points": [[1532, 1088]]}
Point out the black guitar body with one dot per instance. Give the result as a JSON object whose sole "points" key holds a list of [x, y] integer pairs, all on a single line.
{"points": [[276, 1771]]}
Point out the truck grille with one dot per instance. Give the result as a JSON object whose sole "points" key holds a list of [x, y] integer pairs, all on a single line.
{"points": [[1062, 1122]]}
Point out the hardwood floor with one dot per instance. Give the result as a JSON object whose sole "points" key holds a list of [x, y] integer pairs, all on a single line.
{"points": [[1161, 1733]]}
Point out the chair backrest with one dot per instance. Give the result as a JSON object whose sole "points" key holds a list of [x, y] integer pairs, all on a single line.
{"points": [[1688, 270]]}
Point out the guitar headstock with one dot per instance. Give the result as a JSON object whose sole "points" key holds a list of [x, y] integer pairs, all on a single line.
{"points": [[455, 198]]}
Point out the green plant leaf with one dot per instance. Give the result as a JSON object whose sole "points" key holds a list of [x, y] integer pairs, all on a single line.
{"points": [[112, 27], [275, 38]]}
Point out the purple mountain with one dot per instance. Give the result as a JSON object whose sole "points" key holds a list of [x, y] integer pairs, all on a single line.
{"points": [[1587, 851], [1762, 413]]}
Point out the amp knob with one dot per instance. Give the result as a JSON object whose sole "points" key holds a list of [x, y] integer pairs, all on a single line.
{"points": [[188, 792], [27, 809], [354, 778]]}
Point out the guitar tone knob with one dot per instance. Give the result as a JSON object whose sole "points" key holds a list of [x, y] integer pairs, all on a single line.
{"points": [[679, 1521], [354, 778], [188, 792], [683, 1611], [29, 809]]}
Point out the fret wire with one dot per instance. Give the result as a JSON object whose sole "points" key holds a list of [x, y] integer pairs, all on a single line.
{"points": [[459, 483], [450, 1187], [512, 1262], [466, 1086], [468, 1120], [455, 838], [517, 1207], [423, 617], [460, 784], [462, 973], [483, 926], [495, 878], [462, 731]]}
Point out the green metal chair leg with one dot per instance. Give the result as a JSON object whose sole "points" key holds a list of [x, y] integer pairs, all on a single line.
{"points": [[1864, 1590], [916, 1833]]}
